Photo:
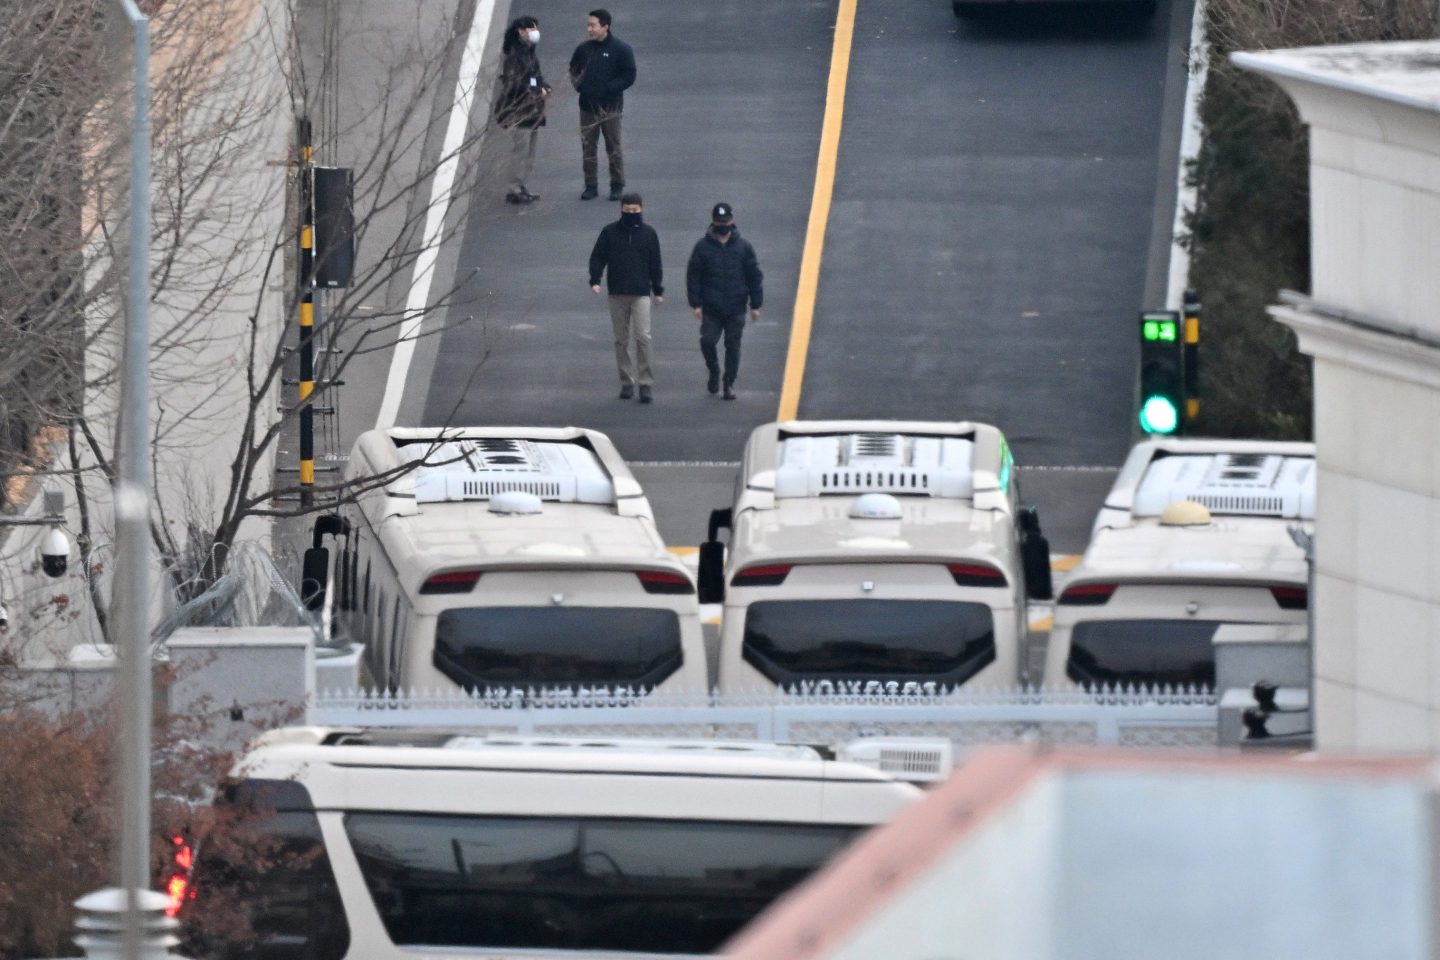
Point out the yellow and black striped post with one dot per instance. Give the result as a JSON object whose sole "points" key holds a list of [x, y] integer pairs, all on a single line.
{"points": [[307, 315], [1191, 317]]}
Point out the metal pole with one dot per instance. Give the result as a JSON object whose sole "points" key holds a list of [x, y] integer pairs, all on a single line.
{"points": [[307, 314], [132, 511], [1191, 315]]}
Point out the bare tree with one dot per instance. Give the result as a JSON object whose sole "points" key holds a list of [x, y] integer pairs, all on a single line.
{"points": [[228, 84]]}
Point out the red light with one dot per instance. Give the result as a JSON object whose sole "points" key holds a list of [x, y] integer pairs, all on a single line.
{"points": [[1291, 598], [177, 888], [975, 575], [766, 575], [664, 581], [1087, 594], [456, 581]]}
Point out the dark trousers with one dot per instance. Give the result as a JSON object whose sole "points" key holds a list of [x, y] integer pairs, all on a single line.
{"points": [[711, 329], [592, 125]]}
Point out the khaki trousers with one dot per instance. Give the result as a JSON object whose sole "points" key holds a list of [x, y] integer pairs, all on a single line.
{"points": [[630, 317]]}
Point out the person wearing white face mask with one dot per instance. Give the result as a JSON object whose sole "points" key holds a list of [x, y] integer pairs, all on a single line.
{"points": [[520, 107]]}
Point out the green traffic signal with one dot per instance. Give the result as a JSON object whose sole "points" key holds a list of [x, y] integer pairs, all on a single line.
{"points": [[1162, 372], [1159, 415]]}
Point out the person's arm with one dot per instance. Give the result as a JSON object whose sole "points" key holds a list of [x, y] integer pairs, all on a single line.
{"points": [[598, 259], [577, 66], [656, 271], [624, 77], [694, 277], [754, 278]]}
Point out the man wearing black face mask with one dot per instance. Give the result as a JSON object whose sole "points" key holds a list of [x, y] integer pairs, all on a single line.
{"points": [[628, 250], [722, 277]]}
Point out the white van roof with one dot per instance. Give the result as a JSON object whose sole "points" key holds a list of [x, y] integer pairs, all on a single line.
{"points": [[425, 770], [942, 486]]}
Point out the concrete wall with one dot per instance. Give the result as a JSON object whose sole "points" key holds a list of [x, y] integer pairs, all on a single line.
{"points": [[1374, 333], [222, 125], [1095, 858]]}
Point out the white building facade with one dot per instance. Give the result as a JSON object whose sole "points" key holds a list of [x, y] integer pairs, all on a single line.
{"points": [[1373, 328]]}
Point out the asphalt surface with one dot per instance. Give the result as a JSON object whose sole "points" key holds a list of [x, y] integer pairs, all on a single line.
{"points": [[992, 236]]}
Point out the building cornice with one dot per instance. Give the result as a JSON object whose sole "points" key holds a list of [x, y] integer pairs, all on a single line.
{"points": [[1343, 336]]}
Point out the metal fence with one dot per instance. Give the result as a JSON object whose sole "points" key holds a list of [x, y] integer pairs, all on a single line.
{"points": [[1144, 717]]}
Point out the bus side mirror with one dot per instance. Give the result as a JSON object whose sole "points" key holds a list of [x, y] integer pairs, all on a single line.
{"points": [[711, 582], [719, 519], [1035, 556], [329, 524], [315, 571]]}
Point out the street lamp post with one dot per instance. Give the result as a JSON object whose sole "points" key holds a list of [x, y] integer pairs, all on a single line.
{"points": [[131, 594]]}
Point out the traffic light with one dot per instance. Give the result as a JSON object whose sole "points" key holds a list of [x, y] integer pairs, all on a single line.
{"points": [[1162, 372]]}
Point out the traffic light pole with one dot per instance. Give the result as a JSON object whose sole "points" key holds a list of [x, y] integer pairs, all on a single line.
{"points": [[307, 315], [1190, 314]]}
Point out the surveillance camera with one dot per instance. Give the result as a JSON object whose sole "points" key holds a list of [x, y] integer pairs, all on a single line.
{"points": [[54, 553]]}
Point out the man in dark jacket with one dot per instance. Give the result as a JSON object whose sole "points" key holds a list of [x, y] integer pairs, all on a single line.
{"points": [[722, 277], [602, 69], [629, 250]]}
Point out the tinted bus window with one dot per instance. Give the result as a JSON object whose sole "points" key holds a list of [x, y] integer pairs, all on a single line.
{"points": [[482, 647], [658, 886], [264, 889], [791, 641], [1143, 652]]}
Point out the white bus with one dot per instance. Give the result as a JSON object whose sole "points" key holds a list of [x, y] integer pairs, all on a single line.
{"points": [[868, 552], [345, 844], [1194, 535], [505, 558]]}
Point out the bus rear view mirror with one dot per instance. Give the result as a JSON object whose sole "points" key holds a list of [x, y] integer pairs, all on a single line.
{"points": [[1035, 556], [314, 572], [711, 581]]}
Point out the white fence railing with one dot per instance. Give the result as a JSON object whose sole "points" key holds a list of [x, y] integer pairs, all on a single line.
{"points": [[1131, 717]]}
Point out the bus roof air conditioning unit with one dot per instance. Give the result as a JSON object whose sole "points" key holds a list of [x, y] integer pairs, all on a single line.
{"points": [[1234, 484], [486, 467], [859, 463]]}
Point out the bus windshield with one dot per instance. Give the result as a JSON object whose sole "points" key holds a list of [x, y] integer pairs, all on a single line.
{"points": [[795, 641], [520, 647], [1174, 652]]}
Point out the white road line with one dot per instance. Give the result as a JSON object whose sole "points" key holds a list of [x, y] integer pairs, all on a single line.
{"points": [[1191, 134], [440, 187]]}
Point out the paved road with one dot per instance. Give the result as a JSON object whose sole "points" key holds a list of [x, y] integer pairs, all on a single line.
{"points": [[989, 243]]}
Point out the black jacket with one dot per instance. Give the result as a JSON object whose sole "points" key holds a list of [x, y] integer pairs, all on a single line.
{"points": [[602, 70], [722, 276], [630, 258], [521, 102]]}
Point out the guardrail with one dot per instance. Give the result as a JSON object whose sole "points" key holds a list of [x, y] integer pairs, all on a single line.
{"points": [[1128, 717]]}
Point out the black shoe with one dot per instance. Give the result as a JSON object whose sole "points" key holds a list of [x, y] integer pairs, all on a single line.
{"points": [[626, 392], [591, 192], [645, 393], [713, 383], [729, 392], [616, 190]]}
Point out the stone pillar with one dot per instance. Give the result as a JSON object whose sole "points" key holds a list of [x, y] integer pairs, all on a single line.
{"points": [[1373, 328]]}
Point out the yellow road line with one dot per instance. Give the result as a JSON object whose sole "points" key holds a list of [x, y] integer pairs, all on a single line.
{"points": [[1043, 625], [819, 212], [684, 551], [1064, 563]]}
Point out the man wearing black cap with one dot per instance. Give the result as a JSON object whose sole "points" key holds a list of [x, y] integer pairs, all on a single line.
{"points": [[723, 277]]}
